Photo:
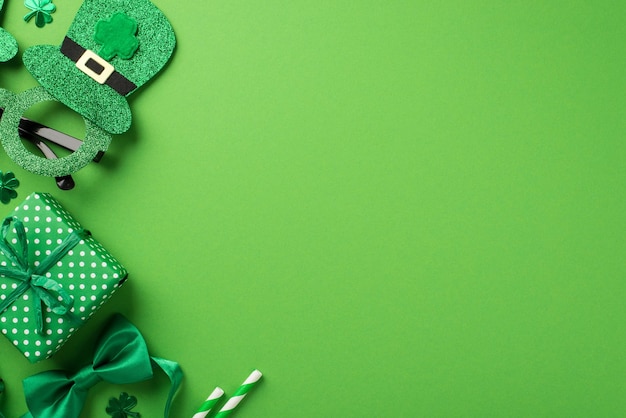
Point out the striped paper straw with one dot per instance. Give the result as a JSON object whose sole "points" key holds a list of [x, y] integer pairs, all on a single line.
{"points": [[210, 402], [239, 394]]}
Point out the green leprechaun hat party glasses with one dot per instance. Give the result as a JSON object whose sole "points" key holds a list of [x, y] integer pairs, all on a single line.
{"points": [[112, 48]]}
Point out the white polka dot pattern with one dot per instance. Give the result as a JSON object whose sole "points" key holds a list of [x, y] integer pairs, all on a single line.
{"points": [[87, 272]]}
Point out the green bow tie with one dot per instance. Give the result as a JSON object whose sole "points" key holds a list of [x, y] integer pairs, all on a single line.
{"points": [[121, 357]]}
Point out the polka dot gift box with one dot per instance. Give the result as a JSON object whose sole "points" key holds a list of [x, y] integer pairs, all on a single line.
{"points": [[53, 276]]}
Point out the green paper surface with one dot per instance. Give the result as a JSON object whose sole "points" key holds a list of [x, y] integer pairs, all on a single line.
{"points": [[87, 272], [391, 209]]}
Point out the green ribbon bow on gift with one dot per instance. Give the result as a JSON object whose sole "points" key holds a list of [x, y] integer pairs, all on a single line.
{"points": [[121, 357], [45, 289]]}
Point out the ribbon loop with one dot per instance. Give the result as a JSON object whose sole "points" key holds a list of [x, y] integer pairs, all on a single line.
{"points": [[52, 294], [8, 250], [45, 290]]}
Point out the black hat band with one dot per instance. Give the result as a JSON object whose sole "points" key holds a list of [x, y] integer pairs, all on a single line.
{"points": [[96, 67]]}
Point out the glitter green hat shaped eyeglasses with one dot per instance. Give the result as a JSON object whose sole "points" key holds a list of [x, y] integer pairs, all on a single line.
{"points": [[112, 48], [8, 45]]}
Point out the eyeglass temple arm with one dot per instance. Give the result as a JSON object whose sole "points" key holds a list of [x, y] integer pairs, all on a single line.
{"points": [[63, 182], [32, 131], [27, 126]]}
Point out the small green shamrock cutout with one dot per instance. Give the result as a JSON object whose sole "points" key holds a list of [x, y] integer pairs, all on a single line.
{"points": [[8, 184], [121, 408], [117, 37], [41, 10]]}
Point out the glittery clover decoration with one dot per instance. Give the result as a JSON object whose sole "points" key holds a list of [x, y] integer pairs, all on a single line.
{"points": [[8, 44], [8, 184], [117, 37], [121, 408], [41, 10]]}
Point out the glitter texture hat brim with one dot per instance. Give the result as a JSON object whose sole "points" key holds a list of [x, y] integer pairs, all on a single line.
{"points": [[59, 75]]}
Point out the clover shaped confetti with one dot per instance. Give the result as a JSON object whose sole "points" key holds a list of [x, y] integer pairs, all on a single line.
{"points": [[121, 408], [41, 10], [8, 184], [117, 37]]}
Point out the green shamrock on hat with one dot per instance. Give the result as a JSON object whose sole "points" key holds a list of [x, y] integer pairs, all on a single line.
{"points": [[117, 37]]}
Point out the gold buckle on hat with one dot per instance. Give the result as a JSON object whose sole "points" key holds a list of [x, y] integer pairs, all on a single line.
{"points": [[100, 77]]}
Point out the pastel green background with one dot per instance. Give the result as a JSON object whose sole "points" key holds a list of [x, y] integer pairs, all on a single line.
{"points": [[391, 208]]}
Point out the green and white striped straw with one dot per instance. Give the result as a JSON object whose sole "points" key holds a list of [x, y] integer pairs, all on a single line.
{"points": [[210, 402], [239, 394]]}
